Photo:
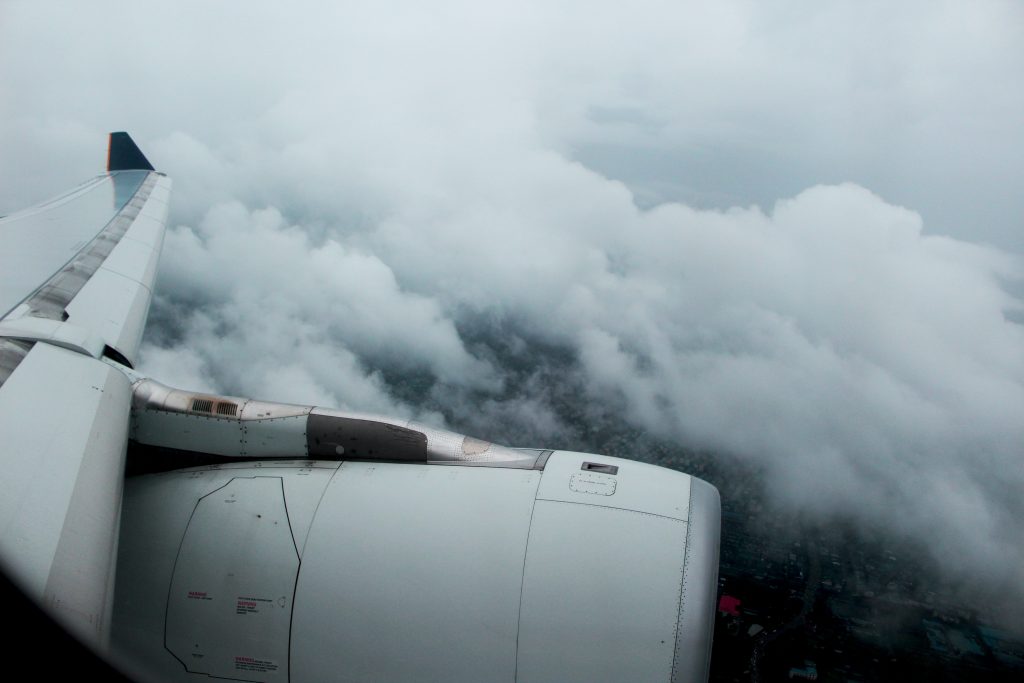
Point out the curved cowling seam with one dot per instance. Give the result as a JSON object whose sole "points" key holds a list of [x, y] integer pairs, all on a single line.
{"points": [[695, 630]]}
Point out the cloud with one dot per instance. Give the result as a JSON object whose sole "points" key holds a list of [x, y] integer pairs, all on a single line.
{"points": [[867, 368], [265, 305]]}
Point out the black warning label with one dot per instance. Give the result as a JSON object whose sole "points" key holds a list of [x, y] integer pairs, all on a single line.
{"points": [[247, 605], [253, 664]]}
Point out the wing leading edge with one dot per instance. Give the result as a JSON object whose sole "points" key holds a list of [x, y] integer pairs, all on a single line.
{"points": [[76, 276]]}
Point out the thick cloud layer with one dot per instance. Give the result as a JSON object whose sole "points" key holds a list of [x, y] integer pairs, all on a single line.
{"points": [[478, 215], [868, 369]]}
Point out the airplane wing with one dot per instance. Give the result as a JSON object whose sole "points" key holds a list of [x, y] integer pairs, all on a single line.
{"points": [[76, 276], [310, 544]]}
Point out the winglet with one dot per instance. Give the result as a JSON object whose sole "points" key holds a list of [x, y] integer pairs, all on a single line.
{"points": [[124, 155]]}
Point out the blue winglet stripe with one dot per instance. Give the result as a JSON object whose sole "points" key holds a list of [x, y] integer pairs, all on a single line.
{"points": [[124, 155]]}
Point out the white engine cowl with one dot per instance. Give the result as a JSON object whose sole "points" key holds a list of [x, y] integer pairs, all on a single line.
{"points": [[590, 569]]}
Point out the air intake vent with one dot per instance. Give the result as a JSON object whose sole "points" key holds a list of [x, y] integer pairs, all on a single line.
{"points": [[599, 467], [202, 405], [225, 408]]}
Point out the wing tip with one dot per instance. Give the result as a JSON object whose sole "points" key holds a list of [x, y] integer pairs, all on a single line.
{"points": [[124, 155]]}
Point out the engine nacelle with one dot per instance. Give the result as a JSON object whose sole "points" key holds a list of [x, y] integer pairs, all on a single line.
{"points": [[582, 568]]}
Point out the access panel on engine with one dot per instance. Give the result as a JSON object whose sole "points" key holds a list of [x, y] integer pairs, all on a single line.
{"points": [[230, 601]]}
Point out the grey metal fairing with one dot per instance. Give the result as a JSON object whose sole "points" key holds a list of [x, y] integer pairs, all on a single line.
{"points": [[232, 426], [410, 571]]}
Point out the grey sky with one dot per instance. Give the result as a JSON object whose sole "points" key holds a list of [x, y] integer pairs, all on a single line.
{"points": [[757, 227]]}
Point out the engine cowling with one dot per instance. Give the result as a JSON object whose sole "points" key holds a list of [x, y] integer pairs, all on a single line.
{"points": [[583, 567]]}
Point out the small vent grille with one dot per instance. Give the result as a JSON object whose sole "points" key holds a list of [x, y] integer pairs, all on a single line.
{"points": [[599, 467], [202, 405], [225, 408]]}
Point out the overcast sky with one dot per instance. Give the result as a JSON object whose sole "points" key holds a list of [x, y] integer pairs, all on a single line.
{"points": [[788, 232]]}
